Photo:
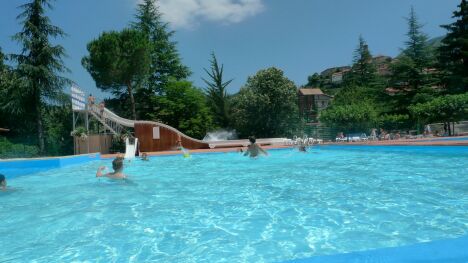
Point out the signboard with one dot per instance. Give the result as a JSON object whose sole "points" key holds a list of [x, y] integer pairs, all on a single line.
{"points": [[78, 98], [156, 133]]}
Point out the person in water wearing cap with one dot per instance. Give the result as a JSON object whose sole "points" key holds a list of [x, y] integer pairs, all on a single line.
{"points": [[3, 182], [117, 165], [254, 150]]}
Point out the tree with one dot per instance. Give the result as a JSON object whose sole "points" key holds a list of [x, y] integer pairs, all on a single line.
{"points": [[2, 59], [411, 71], [183, 107], [363, 72], [216, 93], [449, 108], [358, 117], [165, 61], [314, 81], [119, 62], [39, 63], [266, 106], [453, 54]]}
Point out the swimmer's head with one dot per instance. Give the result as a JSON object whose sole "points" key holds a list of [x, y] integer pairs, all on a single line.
{"points": [[2, 180], [117, 164], [252, 139]]}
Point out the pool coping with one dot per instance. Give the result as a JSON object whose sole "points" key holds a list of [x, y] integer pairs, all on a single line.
{"points": [[445, 250], [24, 166]]}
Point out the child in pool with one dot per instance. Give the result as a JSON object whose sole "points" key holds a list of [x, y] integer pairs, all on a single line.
{"points": [[254, 150], [117, 165], [185, 152], [3, 182], [144, 157]]}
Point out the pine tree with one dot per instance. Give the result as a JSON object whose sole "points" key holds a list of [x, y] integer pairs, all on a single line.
{"points": [[2, 58], [165, 60], [453, 54], [40, 62], [411, 75], [363, 71], [217, 94]]}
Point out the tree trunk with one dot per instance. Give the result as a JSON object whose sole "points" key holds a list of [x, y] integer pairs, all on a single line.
{"points": [[132, 99], [40, 129]]}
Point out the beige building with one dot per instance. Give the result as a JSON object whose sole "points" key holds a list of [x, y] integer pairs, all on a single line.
{"points": [[311, 101]]}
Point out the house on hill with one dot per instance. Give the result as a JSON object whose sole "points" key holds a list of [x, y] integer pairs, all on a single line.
{"points": [[311, 101]]}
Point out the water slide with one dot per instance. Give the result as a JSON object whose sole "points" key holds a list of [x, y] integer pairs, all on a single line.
{"points": [[130, 149], [113, 122]]}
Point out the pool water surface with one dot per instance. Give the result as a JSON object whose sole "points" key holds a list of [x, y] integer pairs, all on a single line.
{"points": [[224, 207]]}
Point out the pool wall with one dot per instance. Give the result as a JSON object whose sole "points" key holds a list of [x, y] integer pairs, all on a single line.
{"points": [[18, 167], [449, 250]]}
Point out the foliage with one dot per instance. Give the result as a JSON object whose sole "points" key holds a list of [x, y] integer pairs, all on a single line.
{"points": [[58, 123], [411, 71], [363, 72], [216, 93], [449, 108], [165, 61], [394, 121], [79, 132], [183, 107], [119, 62], [39, 63], [314, 81], [453, 54], [358, 117], [266, 106], [14, 150]]}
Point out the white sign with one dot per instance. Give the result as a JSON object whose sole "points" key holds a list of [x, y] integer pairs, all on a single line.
{"points": [[78, 98], [156, 133]]}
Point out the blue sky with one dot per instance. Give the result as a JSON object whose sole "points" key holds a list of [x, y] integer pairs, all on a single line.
{"points": [[299, 36]]}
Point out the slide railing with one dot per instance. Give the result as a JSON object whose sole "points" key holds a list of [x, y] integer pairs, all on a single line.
{"points": [[112, 121]]}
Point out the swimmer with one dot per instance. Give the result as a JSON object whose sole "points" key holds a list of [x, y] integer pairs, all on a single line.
{"points": [[144, 157], [3, 182], [117, 165], [185, 152], [254, 150], [302, 147]]}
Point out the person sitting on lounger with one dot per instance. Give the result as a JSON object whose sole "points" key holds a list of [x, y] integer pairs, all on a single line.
{"points": [[254, 150], [117, 165]]}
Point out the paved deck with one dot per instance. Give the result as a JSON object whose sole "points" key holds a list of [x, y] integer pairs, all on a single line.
{"points": [[431, 141]]}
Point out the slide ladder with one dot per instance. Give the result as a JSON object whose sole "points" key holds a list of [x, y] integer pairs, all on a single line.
{"points": [[106, 119]]}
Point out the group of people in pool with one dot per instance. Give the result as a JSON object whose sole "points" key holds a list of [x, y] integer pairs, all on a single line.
{"points": [[253, 150]]}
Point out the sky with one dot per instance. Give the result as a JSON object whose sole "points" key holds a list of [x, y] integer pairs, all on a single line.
{"points": [[298, 36]]}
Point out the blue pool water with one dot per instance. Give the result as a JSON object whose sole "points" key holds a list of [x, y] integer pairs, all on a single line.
{"points": [[227, 208]]}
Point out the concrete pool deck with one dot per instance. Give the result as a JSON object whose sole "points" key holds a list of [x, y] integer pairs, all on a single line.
{"points": [[429, 141]]}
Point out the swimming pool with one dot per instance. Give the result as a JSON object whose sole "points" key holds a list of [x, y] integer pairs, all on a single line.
{"points": [[226, 208]]}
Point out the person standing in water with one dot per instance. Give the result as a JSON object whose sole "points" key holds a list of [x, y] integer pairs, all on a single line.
{"points": [[3, 182], [179, 146], [117, 165], [254, 150]]}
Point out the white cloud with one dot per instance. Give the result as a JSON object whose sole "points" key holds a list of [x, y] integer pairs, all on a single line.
{"points": [[188, 13]]}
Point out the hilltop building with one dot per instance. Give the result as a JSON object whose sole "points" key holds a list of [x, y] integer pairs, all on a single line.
{"points": [[311, 101]]}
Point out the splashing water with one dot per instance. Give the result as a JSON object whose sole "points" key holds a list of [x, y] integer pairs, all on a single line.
{"points": [[220, 135]]}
